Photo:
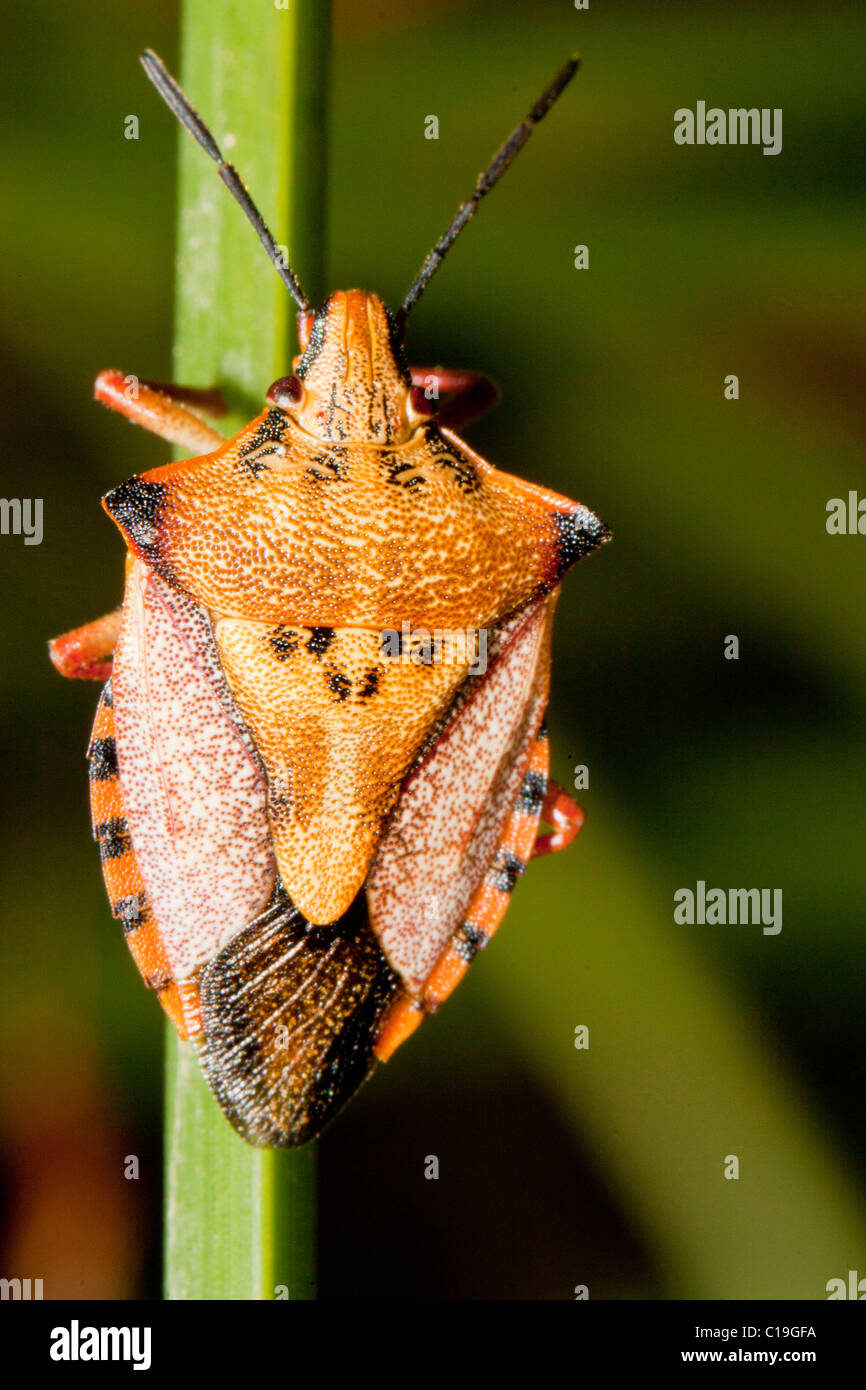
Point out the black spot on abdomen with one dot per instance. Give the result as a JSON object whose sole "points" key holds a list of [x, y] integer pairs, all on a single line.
{"points": [[112, 836], [530, 797], [103, 760], [506, 870]]}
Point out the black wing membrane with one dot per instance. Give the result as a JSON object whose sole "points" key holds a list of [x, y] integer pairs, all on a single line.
{"points": [[290, 1016]]}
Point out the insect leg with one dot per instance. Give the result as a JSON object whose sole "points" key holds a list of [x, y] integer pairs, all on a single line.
{"points": [[564, 815], [85, 653], [169, 411], [465, 395]]}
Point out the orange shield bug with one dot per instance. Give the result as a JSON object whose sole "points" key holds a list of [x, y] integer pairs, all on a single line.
{"points": [[319, 762]]}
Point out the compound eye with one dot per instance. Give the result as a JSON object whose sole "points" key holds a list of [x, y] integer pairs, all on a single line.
{"points": [[421, 405], [285, 392]]}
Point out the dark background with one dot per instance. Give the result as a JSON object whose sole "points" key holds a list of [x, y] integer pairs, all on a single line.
{"points": [[558, 1167]]}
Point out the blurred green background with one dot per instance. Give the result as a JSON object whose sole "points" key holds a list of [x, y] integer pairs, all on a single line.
{"points": [[559, 1167]]}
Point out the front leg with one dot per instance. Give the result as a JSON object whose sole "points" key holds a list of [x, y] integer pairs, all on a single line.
{"points": [[164, 410], [86, 652], [463, 396]]}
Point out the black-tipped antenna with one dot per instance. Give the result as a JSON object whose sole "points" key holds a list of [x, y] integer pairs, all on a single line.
{"points": [[492, 174], [177, 101]]}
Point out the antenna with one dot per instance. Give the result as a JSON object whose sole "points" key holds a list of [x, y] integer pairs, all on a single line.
{"points": [[491, 176], [177, 101]]}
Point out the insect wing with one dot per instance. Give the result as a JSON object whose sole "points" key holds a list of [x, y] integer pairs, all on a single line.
{"points": [[290, 1015], [446, 827], [193, 791]]}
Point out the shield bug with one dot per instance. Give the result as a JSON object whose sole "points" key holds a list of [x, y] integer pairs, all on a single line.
{"points": [[319, 762]]}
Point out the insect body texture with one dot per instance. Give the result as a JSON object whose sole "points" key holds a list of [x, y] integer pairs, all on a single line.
{"points": [[319, 764]]}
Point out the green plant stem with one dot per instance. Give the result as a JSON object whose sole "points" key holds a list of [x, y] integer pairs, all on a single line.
{"points": [[240, 1222]]}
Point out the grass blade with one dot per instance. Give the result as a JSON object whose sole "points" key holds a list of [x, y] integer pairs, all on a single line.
{"points": [[240, 1223]]}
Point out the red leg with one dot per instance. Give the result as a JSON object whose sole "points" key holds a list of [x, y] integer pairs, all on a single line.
{"points": [[463, 395], [163, 409], [564, 815], [86, 652]]}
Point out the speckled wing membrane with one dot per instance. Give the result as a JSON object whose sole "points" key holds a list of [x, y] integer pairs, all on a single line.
{"points": [[444, 832]]}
